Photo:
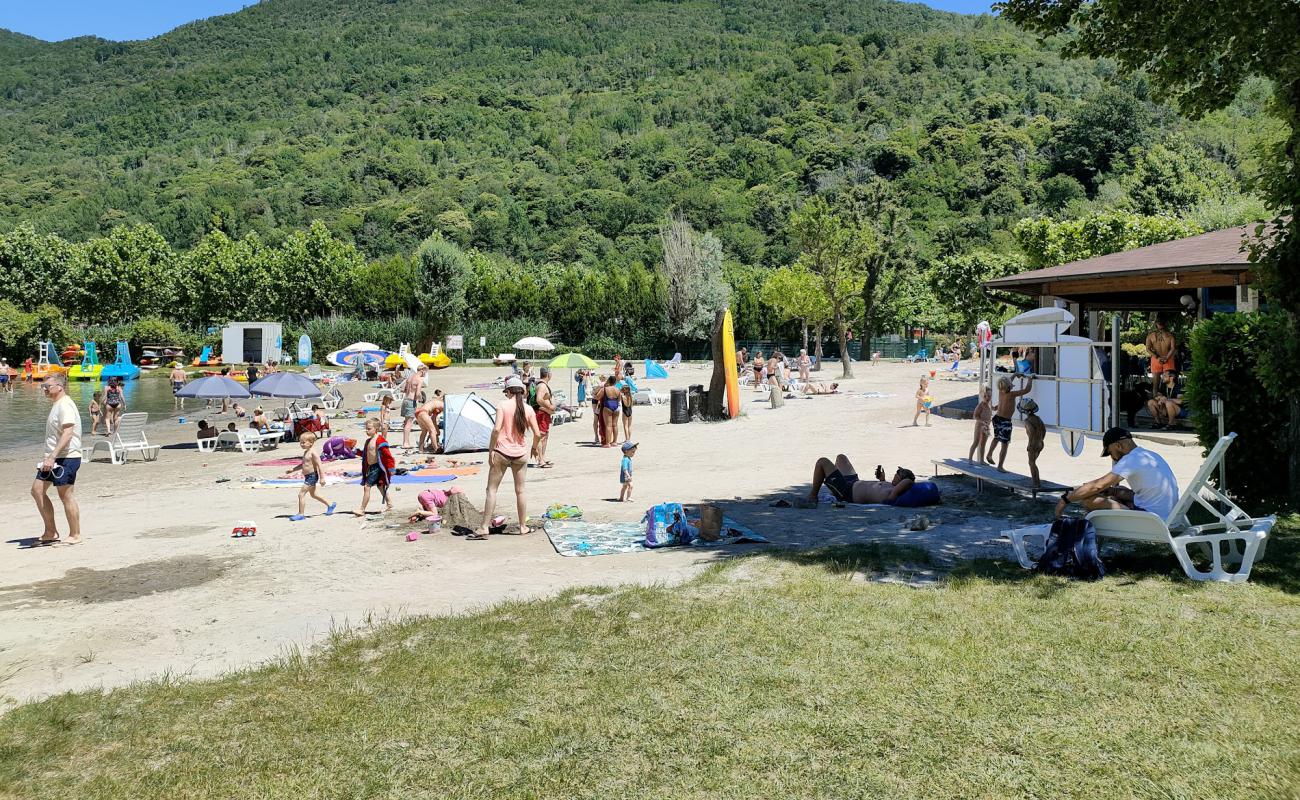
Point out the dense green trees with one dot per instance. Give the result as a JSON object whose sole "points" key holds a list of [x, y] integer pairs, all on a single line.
{"points": [[442, 275], [1204, 55], [297, 154], [1047, 242], [691, 274], [835, 252]]}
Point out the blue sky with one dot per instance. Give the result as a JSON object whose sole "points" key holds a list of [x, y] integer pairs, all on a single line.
{"points": [[53, 20]]}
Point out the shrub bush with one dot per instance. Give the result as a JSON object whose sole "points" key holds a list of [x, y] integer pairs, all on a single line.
{"points": [[148, 330], [501, 334], [20, 331], [1227, 360], [336, 332]]}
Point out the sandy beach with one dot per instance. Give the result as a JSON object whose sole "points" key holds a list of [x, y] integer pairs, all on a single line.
{"points": [[159, 587]]}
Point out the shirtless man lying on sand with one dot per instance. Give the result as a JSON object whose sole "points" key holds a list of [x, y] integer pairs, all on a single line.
{"points": [[841, 479]]}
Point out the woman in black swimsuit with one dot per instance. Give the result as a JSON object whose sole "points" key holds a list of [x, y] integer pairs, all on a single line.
{"points": [[115, 405]]}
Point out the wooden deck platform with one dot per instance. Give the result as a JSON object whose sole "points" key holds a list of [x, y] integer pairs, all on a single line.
{"points": [[983, 473]]}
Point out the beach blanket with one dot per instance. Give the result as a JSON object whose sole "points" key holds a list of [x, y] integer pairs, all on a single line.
{"points": [[576, 537], [396, 480], [457, 471], [277, 462], [483, 386]]}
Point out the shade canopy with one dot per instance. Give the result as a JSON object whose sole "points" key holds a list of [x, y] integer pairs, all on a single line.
{"points": [[285, 384], [572, 361], [533, 343], [213, 387], [1141, 276], [355, 346]]}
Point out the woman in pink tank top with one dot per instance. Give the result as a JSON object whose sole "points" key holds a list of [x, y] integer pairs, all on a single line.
{"points": [[509, 449]]}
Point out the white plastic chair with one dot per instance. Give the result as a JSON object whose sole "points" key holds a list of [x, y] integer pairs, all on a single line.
{"points": [[247, 440], [1233, 539], [128, 438], [648, 397]]}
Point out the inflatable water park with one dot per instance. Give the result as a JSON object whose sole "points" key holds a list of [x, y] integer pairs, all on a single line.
{"points": [[370, 354], [121, 368], [47, 362], [89, 369]]}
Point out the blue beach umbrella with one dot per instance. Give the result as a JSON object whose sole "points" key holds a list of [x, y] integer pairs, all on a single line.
{"points": [[285, 384], [213, 387]]}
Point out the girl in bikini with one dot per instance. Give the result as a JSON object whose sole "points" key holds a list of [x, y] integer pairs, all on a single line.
{"points": [[426, 416], [625, 397], [97, 412]]}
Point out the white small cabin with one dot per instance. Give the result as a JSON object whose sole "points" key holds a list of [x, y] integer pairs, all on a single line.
{"points": [[1071, 380], [251, 343]]}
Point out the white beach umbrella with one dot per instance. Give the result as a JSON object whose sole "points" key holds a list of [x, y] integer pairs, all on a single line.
{"points": [[534, 344]]}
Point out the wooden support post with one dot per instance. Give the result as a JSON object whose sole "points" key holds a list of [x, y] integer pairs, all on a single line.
{"points": [[778, 400], [718, 383]]}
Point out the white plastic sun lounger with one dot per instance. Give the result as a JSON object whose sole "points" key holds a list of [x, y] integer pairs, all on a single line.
{"points": [[1233, 539], [247, 440], [128, 438], [332, 399], [648, 397]]}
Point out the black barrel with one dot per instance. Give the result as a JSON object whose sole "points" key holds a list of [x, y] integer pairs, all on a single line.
{"points": [[704, 404], [678, 411], [694, 394]]}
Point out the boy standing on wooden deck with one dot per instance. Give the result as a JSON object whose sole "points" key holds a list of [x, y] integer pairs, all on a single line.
{"points": [[1036, 432], [1002, 415]]}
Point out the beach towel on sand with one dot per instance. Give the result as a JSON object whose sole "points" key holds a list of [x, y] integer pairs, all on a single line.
{"points": [[576, 537]]}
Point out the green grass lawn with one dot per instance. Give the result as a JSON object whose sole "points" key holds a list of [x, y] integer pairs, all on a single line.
{"points": [[785, 675]]}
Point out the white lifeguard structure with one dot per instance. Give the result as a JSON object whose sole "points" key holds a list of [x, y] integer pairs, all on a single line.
{"points": [[1073, 375]]}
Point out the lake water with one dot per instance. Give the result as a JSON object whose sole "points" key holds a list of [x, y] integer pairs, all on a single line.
{"points": [[22, 414]]}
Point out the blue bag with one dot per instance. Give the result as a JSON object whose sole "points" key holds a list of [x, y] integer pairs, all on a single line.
{"points": [[1072, 551], [666, 526], [920, 493]]}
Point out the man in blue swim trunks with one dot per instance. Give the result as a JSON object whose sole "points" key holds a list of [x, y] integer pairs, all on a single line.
{"points": [[841, 479]]}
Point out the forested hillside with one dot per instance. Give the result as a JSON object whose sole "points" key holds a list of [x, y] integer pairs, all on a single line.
{"points": [[559, 132]]}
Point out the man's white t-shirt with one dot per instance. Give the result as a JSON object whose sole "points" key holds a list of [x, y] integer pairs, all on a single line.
{"points": [[1154, 487], [63, 412]]}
